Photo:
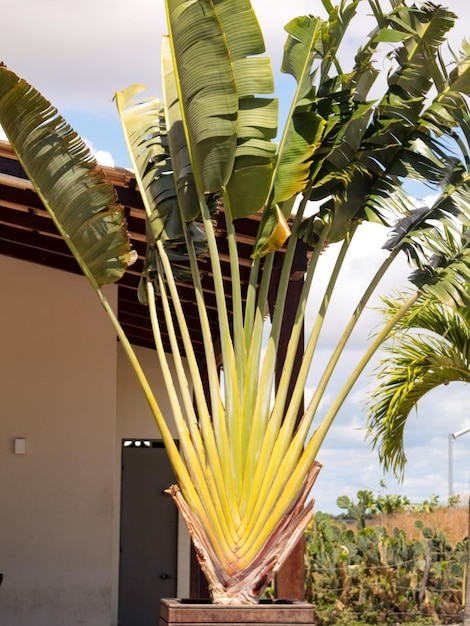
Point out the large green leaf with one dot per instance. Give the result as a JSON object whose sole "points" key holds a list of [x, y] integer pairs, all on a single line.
{"points": [[68, 180], [206, 89], [144, 125], [250, 182], [144, 129], [302, 135], [305, 127], [176, 143], [168, 196]]}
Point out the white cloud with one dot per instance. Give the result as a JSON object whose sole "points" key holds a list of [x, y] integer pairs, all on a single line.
{"points": [[102, 156], [80, 53]]}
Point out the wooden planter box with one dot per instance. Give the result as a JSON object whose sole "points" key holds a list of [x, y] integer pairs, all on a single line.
{"points": [[175, 612]]}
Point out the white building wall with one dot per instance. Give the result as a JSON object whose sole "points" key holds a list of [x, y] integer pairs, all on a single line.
{"points": [[58, 391], [67, 389]]}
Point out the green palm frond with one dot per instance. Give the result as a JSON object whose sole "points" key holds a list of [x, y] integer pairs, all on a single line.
{"points": [[430, 347], [366, 150], [397, 116], [440, 253]]}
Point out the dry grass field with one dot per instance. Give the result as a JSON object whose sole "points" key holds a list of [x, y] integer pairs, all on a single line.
{"points": [[452, 521]]}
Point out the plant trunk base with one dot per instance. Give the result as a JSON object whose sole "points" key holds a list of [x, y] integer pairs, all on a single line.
{"points": [[175, 612]]}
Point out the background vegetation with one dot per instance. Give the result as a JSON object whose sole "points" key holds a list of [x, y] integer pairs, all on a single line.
{"points": [[405, 565]]}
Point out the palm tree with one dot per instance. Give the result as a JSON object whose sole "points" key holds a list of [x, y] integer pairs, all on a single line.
{"points": [[246, 464], [429, 347]]}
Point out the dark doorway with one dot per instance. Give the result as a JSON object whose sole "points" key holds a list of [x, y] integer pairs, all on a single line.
{"points": [[148, 536]]}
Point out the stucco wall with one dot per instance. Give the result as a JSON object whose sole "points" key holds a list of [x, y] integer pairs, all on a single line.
{"points": [[65, 387], [58, 391]]}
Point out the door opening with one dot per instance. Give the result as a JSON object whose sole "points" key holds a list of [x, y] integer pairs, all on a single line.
{"points": [[148, 533]]}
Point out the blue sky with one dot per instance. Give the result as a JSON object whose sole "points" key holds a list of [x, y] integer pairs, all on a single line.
{"points": [[79, 53]]}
